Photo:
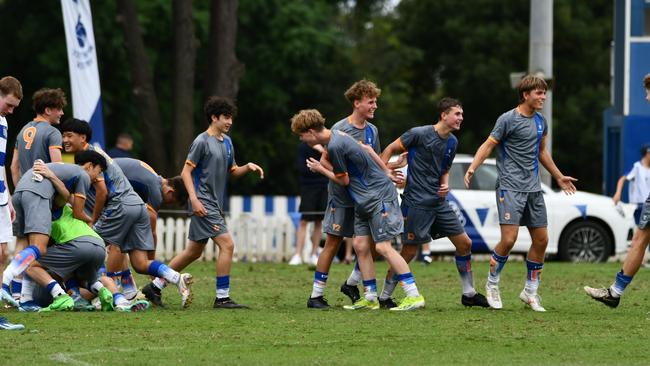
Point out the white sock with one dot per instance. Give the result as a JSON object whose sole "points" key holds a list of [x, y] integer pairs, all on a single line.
{"points": [[160, 283], [56, 290], [95, 287], [355, 277], [387, 291], [27, 292]]}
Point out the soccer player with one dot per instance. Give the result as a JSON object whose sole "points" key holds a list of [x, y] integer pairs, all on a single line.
{"points": [[38, 139], [11, 93], [639, 178], [154, 190], [521, 135], [33, 200], [209, 162], [612, 296], [431, 151], [339, 215], [376, 209]]}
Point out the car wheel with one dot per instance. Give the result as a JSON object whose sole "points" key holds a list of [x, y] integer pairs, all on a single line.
{"points": [[585, 241]]}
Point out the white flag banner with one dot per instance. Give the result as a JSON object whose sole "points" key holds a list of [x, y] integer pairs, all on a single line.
{"points": [[82, 62]]}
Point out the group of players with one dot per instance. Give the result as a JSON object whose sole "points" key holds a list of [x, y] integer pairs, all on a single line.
{"points": [[64, 214], [78, 226]]}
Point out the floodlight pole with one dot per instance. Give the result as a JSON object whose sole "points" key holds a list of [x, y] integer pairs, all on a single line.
{"points": [[540, 61]]}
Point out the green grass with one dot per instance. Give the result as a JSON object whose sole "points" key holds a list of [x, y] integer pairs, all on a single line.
{"points": [[281, 330]]}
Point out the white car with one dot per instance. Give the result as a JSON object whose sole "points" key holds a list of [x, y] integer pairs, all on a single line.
{"points": [[582, 227]]}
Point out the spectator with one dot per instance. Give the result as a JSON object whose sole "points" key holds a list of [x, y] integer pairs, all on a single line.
{"points": [[313, 201], [123, 147]]}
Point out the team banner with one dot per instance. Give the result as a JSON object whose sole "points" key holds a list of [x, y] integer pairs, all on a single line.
{"points": [[82, 62]]}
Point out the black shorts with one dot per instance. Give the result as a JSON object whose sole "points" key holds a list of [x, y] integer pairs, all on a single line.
{"points": [[313, 202]]}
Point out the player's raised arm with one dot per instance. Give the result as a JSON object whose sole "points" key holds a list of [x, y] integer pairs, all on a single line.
{"points": [[238, 171]]}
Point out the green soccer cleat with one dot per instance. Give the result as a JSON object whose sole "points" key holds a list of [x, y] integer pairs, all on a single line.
{"points": [[61, 303], [105, 299], [134, 307], [81, 304], [362, 305], [410, 303]]}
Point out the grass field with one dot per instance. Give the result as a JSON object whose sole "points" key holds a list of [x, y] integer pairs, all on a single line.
{"points": [[279, 329]]}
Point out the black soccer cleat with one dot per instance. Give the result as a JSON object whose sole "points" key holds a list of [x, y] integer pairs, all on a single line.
{"points": [[152, 293], [603, 295], [350, 291], [476, 300], [227, 303], [317, 303], [387, 304]]}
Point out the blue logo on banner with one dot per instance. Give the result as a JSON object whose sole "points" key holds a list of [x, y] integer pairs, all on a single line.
{"points": [[482, 214], [81, 32]]}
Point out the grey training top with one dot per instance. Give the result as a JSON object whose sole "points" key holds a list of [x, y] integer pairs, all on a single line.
{"points": [[213, 160], [73, 176], [34, 141], [119, 189], [144, 180], [518, 151], [369, 135], [429, 157], [369, 185]]}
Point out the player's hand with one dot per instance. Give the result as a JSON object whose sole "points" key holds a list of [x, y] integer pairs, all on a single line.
{"points": [[198, 209], [616, 198], [401, 160], [314, 165], [444, 189], [396, 176], [566, 184], [42, 169], [255, 168], [12, 211], [468, 177]]}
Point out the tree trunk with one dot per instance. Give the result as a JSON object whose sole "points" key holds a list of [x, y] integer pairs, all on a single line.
{"points": [[223, 70], [185, 44], [142, 81]]}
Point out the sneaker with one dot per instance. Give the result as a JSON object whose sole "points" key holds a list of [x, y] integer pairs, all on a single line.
{"points": [[81, 304], [350, 291], [152, 293], [534, 301], [105, 299], [134, 307], [603, 295], [362, 305], [387, 304], [410, 303], [227, 303], [493, 296], [427, 259], [6, 296], [5, 324], [29, 306], [185, 288], [313, 260], [476, 300], [317, 303], [296, 260], [61, 303]]}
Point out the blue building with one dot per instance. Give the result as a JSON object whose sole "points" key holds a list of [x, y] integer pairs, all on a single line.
{"points": [[627, 121]]}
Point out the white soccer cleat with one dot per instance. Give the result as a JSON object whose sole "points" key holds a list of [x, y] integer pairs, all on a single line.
{"points": [[313, 260], [4, 295], [296, 260], [493, 296], [185, 289], [534, 301]]}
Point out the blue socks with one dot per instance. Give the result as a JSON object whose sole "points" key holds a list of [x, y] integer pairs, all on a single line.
{"points": [[320, 281], [497, 263], [159, 269], [464, 266], [619, 285], [370, 289], [223, 287], [534, 275]]}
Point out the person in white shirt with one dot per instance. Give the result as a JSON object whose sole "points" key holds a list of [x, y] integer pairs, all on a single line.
{"points": [[639, 178]]}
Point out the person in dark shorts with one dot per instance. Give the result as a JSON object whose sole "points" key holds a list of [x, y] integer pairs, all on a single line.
{"points": [[313, 202]]}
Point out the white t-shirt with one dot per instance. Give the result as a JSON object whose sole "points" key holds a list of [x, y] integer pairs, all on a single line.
{"points": [[639, 187], [4, 187]]}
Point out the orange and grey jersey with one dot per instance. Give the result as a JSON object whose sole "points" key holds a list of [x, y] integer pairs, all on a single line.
{"points": [[369, 185], [34, 141], [119, 189], [144, 180], [519, 139], [368, 135], [212, 159], [75, 179], [429, 158]]}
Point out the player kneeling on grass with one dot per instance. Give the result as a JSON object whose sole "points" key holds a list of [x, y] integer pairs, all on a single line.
{"points": [[375, 198], [425, 208]]}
